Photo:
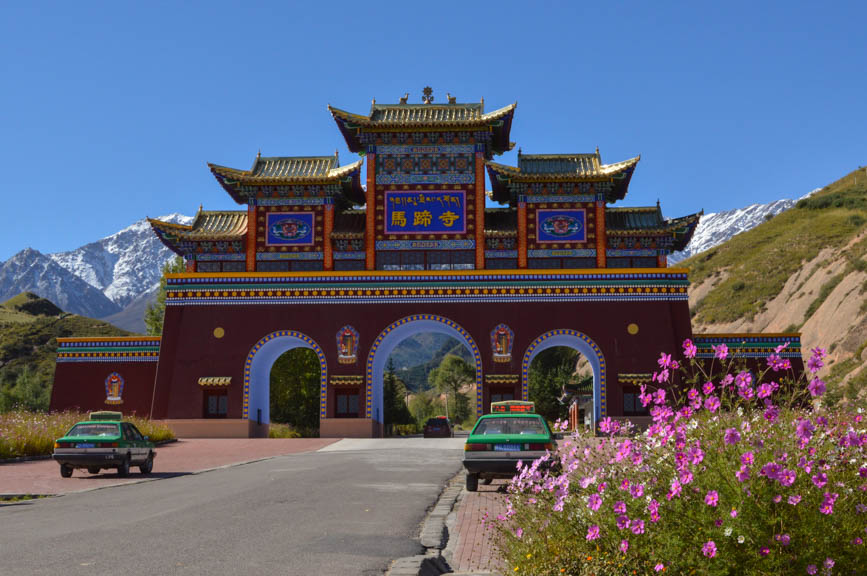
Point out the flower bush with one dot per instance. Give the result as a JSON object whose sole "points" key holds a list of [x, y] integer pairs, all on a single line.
{"points": [[739, 473], [24, 433]]}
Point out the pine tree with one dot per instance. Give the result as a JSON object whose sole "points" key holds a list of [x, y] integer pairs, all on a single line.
{"points": [[156, 311]]}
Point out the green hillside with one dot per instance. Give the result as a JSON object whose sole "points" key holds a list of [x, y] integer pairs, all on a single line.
{"points": [[754, 266], [415, 370], [29, 328]]}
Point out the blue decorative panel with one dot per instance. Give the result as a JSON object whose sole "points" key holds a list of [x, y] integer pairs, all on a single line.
{"points": [[434, 212], [580, 253], [552, 199], [288, 256], [561, 225], [289, 228], [221, 257]]}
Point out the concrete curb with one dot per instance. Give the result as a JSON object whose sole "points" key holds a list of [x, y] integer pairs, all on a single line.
{"points": [[434, 536], [48, 456]]}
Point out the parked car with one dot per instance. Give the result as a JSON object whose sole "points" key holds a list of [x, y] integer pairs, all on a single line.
{"points": [[512, 432], [104, 441], [438, 427]]}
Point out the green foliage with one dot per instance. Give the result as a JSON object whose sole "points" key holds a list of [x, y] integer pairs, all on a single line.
{"points": [[32, 305], [550, 372], [453, 374], [156, 310], [295, 391], [424, 405], [24, 433], [417, 369], [29, 343], [395, 409], [276, 430], [760, 261], [28, 393]]}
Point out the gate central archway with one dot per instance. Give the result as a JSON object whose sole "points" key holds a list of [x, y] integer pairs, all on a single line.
{"points": [[396, 333]]}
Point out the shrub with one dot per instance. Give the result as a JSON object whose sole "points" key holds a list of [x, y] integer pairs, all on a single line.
{"points": [[24, 433], [276, 430], [740, 474]]}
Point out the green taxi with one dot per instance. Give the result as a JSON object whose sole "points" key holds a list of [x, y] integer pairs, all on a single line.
{"points": [[104, 441], [511, 432]]}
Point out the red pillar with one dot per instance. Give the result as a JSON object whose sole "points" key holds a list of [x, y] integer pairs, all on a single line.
{"points": [[522, 234], [370, 202], [251, 238], [190, 265], [601, 240], [480, 211], [662, 261], [328, 226]]}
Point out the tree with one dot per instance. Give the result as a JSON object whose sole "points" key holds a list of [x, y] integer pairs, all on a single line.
{"points": [[450, 376], [294, 385], [424, 405], [550, 373], [156, 310], [393, 398], [28, 393]]}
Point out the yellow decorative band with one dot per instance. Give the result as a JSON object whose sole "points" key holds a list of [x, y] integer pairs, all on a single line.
{"points": [[354, 380], [215, 381], [502, 378], [638, 378]]}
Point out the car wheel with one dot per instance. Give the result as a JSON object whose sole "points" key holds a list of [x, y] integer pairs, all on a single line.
{"points": [[148, 465], [472, 482], [123, 469], [93, 469], [487, 481], [66, 470]]}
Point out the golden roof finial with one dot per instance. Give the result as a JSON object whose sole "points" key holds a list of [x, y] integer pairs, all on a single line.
{"points": [[373, 102], [427, 95], [597, 150], [259, 154]]}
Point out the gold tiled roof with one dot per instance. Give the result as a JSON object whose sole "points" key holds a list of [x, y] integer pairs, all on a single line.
{"points": [[682, 225], [423, 115], [289, 169], [207, 225], [561, 167]]}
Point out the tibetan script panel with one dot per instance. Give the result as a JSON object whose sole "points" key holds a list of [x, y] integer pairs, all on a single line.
{"points": [[426, 212]]}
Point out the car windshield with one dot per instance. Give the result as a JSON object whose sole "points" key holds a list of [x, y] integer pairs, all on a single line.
{"points": [[490, 426], [93, 430], [436, 422]]}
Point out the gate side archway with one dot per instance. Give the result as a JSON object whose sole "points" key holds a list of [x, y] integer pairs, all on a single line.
{"points": [[393, 335], [257, 369], [577, 341]]}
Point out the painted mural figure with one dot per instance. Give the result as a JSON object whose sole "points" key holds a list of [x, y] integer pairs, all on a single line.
{"points": [[347, 345], [501, 342], [114, 389]]}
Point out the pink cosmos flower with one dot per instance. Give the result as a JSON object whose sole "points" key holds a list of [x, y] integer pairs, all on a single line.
{"points": [[637, 490], [771, 413], [624, 546], [620, 507], [709, 549], [787, 477], [692, 394], [827, 506], [664, 360], [519, 532], [637, 526], [622, 522], [743, 474], [594, 502], [812, 570], [721, 351], [816, 387], [783, 539], [708, 388], [711, 403], [765, 389], [592, 532], [689, 349], [793, 500], [764, 551], [734, 513], [732, 436], [820, 479], [659, 397], [747, 458], [659, 567], [712, 498]]}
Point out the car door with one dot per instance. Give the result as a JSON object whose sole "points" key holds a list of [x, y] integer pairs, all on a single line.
{"points": [[133, 444]]}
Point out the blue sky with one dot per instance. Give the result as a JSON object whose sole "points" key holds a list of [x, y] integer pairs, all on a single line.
{"points": [[109, 111]]}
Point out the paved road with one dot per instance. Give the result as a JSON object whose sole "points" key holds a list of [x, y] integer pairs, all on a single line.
{"points": [[347, 510]]}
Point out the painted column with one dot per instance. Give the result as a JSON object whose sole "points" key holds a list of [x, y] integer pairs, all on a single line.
{"points": [[522, 234], [251, 237], [370, 209], [601, 239], [480, 207], [328, 226], [190, 263], [662, 261]]}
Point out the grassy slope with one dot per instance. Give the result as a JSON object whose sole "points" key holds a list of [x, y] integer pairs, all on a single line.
{"points": [[760, 260], [28, 339]]}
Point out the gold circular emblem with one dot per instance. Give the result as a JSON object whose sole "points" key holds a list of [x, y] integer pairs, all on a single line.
{"points": [[632, 328], [219, 332]]}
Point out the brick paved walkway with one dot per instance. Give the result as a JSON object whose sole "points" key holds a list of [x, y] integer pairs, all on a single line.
{"points": [[475, 552], [175, 459]]}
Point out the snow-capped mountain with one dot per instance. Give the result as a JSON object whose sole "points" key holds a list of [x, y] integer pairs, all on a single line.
{"points": [[715, 228], [98, 280], [124, 265], [32, 271]]}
